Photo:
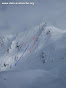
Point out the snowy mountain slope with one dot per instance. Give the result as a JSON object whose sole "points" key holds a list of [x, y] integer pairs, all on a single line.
{"points": [[47, 56]]}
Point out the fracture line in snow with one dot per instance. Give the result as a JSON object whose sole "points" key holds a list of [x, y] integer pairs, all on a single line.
{"points": [[29, 40]]}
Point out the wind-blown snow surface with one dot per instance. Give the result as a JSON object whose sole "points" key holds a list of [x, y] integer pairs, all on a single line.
{"points": [[44, 67]]}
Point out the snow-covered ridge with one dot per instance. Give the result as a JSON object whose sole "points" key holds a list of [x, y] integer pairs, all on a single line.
{"points": [[48, 53], [45, 66]]}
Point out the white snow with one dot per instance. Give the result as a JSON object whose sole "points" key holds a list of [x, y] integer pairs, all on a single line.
{"points": [[44, 67]]}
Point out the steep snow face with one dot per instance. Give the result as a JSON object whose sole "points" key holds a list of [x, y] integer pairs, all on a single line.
{"points": [[40, 52], [46, 49]]}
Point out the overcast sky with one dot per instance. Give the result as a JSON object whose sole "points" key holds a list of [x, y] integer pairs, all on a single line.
{"points": [[19, 17]]}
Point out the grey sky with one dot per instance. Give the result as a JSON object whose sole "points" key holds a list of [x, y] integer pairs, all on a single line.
{"points": [[19, 17]]}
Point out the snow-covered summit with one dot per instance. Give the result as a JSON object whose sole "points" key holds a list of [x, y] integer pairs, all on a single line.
{"points": [[50, 40], [41, 50]]}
